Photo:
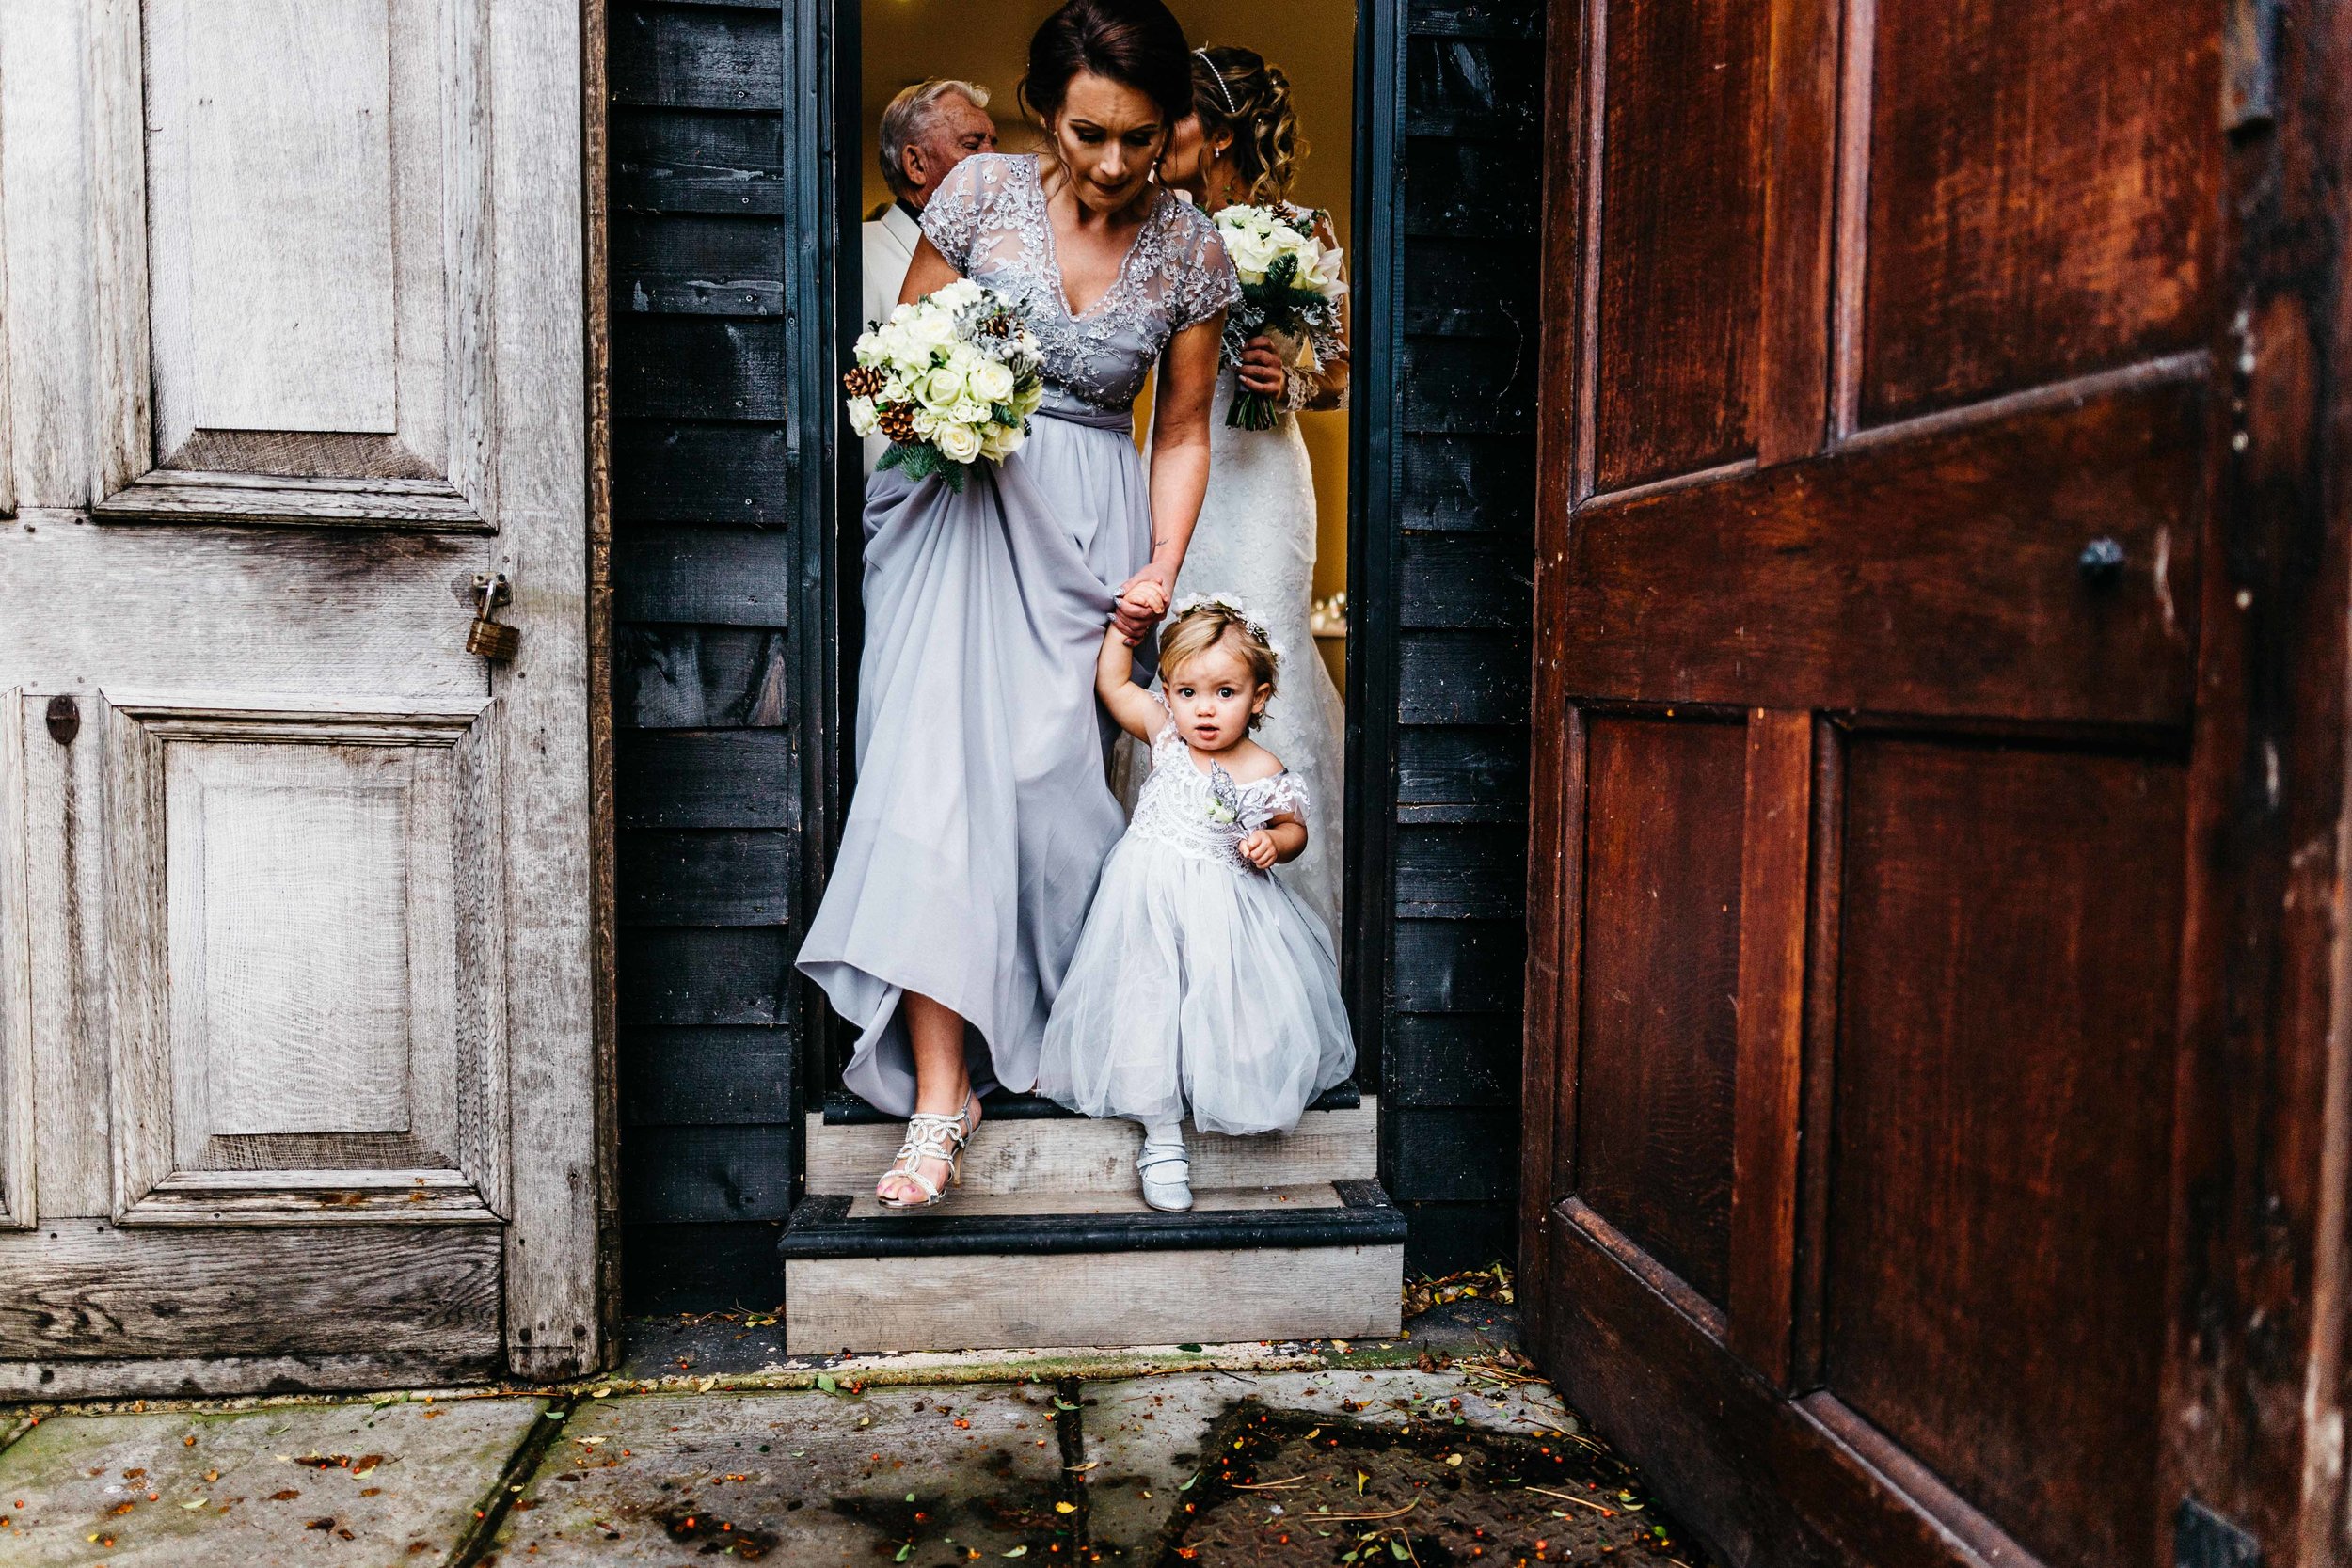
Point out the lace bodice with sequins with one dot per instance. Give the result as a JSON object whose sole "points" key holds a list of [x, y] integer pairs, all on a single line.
{"points": [[1208, 815], [989, 219]]}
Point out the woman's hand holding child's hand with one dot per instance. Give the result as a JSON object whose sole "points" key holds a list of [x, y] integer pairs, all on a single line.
{"points": [[1260, 850], [1142, 602]]}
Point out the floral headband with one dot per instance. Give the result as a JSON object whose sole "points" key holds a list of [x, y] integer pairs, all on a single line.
{"points": [[1232, 606]]}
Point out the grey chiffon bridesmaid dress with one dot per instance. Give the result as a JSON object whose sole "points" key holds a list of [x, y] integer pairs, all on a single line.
{"points": [[980, 817]]}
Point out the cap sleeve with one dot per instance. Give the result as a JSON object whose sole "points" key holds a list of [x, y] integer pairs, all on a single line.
{"points": [[951, 218], [1204, 282], [1285, 792]]}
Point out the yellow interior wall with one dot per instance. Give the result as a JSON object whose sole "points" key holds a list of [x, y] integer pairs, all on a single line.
{"points": [[1313, 41]]}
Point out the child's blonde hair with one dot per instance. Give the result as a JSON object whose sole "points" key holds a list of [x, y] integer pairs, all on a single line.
{"points": [[1201, 627]]}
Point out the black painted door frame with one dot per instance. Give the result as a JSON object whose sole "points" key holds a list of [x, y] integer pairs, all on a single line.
{"points": [[735, 555]]}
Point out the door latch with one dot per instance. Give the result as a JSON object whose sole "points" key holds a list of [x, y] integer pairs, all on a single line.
{"points": [[485, 636]]}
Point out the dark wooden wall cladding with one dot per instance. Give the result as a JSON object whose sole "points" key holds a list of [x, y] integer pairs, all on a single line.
{"points": [[710, 672], [1441, 592]]}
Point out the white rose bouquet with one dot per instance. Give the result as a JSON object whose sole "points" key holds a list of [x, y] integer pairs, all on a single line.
{"points": [[951, 379], [1291, 290]]}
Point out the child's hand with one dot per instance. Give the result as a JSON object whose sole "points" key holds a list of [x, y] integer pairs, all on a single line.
{"points": [[1140, 605], [1144, 596], [1259, 849], [1142, 600]]}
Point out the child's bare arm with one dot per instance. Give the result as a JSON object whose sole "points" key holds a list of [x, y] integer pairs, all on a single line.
{"points": [[1130, 704], [1281, 840]]}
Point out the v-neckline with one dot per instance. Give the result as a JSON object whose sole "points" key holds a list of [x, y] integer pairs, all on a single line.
{"points": [[1052, 247]]}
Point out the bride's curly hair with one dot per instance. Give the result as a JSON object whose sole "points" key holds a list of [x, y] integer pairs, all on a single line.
{"points": [[1235, 93]]}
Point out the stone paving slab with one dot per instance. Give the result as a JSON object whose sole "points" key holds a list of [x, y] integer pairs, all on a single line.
{"points": [[1149, 1435], [197, 1489], [800, 1478]]}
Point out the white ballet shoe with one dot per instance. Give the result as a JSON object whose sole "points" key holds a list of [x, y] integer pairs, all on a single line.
{"points": [[1165, 1169]]}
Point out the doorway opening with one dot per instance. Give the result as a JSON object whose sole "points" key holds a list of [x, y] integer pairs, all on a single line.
{"points": [[889, 45], [1290, 1237]]}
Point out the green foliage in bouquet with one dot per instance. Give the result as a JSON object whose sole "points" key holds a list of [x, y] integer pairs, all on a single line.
{"points": [[919, 460]]}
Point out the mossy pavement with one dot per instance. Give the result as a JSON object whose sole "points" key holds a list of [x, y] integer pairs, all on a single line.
{"points": [[715, 1452]]}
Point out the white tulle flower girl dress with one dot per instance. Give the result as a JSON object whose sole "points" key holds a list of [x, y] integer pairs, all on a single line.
{"points": [[1201, 984]]}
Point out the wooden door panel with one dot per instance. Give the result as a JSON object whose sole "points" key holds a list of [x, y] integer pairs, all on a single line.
{"points": [[1877, 417], [296, 933], [294, 295], [1679, 279], [1936, 575], [1652, 1147], [2041, 200], [286, 1300], [2007, 963], [303, 910]]}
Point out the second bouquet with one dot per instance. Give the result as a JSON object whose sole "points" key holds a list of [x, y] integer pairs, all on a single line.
{"points": [[1291, 290], [951, 379]]}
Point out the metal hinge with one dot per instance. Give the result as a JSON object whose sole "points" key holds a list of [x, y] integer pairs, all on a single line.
{"points": [[2204, 1539]]}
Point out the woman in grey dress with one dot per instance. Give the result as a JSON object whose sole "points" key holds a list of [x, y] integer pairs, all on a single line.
{"points": [[982, 816]]}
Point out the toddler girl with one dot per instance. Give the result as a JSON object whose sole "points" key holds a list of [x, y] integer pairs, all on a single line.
{"points": [[1200, 979]]}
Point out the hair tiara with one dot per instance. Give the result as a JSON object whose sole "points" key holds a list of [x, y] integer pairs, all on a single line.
{"points": [[1222, 90]]}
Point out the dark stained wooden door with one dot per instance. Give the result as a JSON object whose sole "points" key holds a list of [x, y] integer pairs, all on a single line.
{"points": [[1890, 398]]}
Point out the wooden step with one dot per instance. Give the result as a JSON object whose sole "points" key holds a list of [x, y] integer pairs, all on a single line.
{"points": [[1012, 1269], [1076, 1154], [844, 1109]]}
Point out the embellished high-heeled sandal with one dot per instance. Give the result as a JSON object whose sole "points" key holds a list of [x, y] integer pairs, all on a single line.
{"points": [[930, 1136]]}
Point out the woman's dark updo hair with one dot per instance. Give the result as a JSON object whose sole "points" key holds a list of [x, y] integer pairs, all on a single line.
{"points": [[1237, 93], [1139, 42]]}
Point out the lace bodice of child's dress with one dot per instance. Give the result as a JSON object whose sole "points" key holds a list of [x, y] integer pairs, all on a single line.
{"points": [[989, 220], [1207, 814]]}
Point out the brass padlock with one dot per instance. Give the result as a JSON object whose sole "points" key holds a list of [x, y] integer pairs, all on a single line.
{"points": [[485, 636]]}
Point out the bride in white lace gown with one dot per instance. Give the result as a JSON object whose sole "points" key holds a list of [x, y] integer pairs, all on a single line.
{"points": [[1256, 537]]}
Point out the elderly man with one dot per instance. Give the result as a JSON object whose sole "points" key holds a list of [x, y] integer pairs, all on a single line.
{"points": [[928, 129]]}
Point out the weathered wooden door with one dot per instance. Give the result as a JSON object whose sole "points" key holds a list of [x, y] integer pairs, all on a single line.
{"points": [[296, 1076], [1917, 694]]}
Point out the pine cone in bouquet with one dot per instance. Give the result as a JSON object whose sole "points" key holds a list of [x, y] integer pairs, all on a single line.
{"points": [[950, 380]]}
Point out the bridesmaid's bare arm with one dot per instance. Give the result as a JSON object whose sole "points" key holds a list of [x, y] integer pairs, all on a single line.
{"points": [[929, 273], [1180, 455]]}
